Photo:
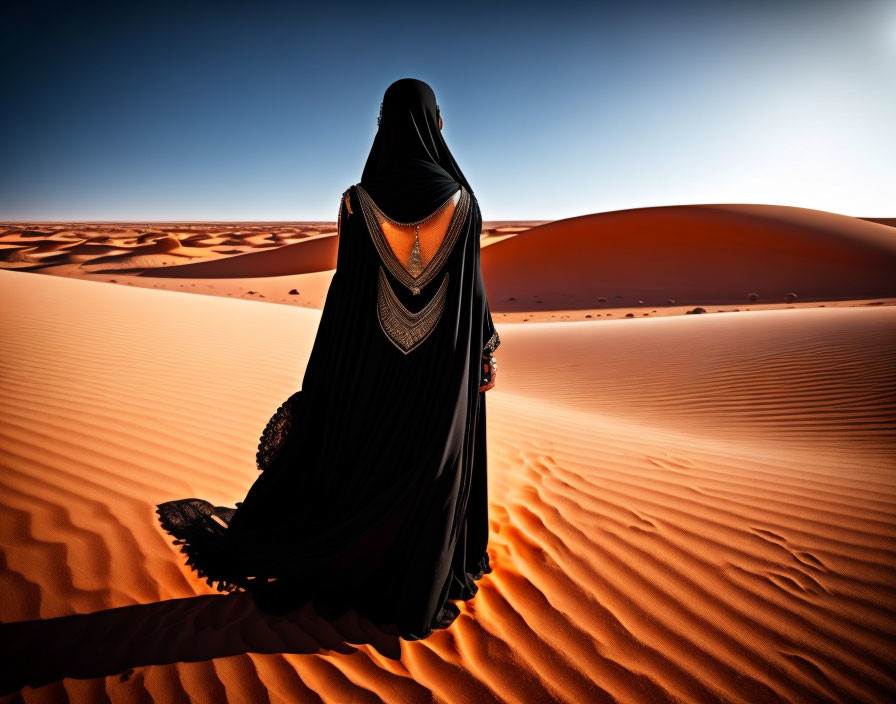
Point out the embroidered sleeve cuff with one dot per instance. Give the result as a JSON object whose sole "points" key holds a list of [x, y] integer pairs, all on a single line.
{"points": [[492, 343]]}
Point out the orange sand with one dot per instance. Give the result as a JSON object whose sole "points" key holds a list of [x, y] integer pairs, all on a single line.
{"points": [[694, 508]]}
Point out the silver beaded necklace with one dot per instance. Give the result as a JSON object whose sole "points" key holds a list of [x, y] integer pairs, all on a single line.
{"points": [[415, 261]]}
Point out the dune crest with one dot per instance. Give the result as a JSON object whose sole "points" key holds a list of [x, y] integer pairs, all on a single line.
{"points": [[700, 254]]}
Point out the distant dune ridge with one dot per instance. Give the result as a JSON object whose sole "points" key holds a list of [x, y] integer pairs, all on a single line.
{"points": [[689, 508], [636, 260], [314, 254], [715, 254]]}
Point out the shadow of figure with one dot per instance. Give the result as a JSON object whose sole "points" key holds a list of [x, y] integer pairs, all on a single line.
{"points": [[193, 629]]}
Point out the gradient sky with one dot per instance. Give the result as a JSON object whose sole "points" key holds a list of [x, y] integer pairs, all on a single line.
{"points": [[267, 111]]}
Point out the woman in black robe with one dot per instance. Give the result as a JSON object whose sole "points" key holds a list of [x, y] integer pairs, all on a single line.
{"points": [[373, 492]]}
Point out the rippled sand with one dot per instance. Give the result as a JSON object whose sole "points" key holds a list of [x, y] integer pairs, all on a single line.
{"points": [[684, 508]]}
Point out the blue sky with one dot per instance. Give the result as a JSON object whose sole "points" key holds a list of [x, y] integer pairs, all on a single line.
{"points": [[266, 111]]}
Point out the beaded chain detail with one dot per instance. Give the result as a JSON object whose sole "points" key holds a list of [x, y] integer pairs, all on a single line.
{"points": [[406, 329], [414, 282], [425, 220]]}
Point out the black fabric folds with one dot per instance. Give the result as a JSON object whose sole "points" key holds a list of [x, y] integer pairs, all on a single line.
{"points": [[410, 171], [373, 489]]}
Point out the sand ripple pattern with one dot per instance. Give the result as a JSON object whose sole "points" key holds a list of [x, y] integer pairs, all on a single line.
{"points": [[643, 550]]}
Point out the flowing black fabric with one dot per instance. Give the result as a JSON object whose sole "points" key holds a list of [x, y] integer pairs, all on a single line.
{"points": [[373, 491], [410, 171]]}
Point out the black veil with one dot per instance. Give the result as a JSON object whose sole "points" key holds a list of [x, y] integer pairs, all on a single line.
{"points": [[410, 171]]}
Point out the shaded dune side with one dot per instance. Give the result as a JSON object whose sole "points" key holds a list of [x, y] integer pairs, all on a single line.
{"points": [[692, 254], [634, 562], [315, 254], [312, 255], [891, 222]]}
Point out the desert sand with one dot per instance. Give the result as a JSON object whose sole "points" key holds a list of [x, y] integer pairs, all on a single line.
{"points": [[684, 507]]}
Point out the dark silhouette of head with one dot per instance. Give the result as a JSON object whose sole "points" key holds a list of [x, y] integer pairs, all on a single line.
{"points": [[409, 159]]}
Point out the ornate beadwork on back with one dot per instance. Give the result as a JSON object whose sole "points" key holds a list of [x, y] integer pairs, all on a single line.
{"points": [[414, 283], [404, 328]]}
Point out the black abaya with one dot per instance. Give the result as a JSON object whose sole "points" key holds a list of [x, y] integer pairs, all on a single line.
{"points": [[373, 488]]}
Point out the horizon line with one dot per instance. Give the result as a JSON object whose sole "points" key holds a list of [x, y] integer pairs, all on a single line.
{"points": [[484, 220]]}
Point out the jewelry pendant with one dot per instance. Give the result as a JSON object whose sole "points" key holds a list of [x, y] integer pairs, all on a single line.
{"points": [[422, 275], [415, 263]]}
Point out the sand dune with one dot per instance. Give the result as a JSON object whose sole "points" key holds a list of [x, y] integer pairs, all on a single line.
{"points": [[628, 263], [287, 263], [702, 254], [76, 249], [883, 221], [688, 509], [313, 255], [725, 376]]}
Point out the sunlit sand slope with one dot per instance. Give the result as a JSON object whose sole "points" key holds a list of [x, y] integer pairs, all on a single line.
{"points": [[691, 509]]}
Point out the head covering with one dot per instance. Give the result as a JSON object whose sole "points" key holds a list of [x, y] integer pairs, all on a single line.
{"points": [[410, 171]]}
